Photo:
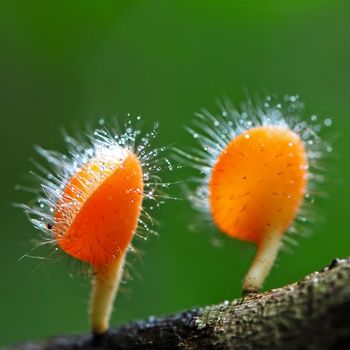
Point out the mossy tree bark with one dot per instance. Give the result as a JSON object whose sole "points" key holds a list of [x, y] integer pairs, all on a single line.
{"points": [[313, 313]]}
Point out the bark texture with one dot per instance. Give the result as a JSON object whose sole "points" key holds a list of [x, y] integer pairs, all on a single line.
{"points": [[313, 313]]}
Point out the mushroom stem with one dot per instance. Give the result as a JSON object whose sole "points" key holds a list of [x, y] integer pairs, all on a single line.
{"points": [[266, 254], [104, 289]]}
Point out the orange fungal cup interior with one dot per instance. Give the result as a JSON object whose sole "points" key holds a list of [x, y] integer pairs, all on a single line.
{"points": [[99, 209]]}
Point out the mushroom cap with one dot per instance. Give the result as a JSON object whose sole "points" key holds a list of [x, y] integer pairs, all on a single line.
{"points": [[98, 211], [258, 183]]}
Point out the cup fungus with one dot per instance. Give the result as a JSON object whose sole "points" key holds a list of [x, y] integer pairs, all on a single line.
{"points": [[90, 207], [258, 165]]}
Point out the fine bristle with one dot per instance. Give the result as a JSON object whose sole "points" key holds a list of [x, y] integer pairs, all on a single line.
{"points": [[214, 132], [110, 147]]}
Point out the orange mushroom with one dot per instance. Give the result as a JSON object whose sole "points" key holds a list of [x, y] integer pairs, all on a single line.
{"points": [[256, 188], [258, 166], [89, 205], [96, 218]]}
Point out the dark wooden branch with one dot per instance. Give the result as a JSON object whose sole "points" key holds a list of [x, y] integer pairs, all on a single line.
{"points": [[311, 314]]}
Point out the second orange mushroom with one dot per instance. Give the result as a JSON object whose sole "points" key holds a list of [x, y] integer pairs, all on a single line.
{"points": [[256, 188]]}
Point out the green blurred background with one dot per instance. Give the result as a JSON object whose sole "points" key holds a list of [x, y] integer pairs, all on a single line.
{"points": [[64, 63]]}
